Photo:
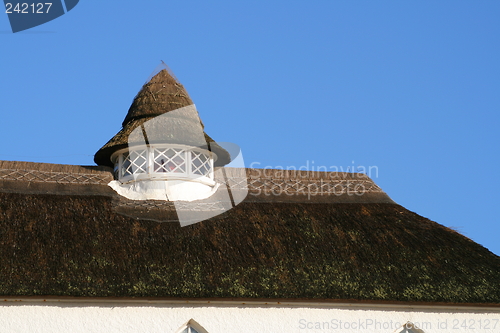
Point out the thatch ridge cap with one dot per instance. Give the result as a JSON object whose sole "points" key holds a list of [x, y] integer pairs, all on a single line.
{"points": [[53, 167], [263, 185], [304, 174]]}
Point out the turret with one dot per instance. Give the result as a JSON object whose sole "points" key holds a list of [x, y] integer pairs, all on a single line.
{"points": [[162, 151]]}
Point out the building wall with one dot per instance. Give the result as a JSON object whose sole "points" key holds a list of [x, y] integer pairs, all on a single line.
{"points": [[73, 316]]}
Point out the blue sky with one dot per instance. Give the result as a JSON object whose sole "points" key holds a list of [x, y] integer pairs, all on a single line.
{"points": [[410, 87]]}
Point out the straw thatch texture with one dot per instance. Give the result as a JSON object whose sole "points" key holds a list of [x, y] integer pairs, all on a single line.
{"points": [[157, 105], [163, 93], [77, 246]]}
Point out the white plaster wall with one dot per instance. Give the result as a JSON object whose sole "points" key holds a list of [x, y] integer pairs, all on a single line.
{"points": [[168, 318]]}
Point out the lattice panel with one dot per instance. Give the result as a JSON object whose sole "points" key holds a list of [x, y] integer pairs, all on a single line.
{"points": [[135, 162], [170, 160], [200, 164]]}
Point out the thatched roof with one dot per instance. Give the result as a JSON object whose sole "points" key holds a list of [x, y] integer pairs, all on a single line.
{"points": [[65, 244], [157, 105]]}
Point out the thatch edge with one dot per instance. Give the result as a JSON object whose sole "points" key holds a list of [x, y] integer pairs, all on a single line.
{"points": [[281, 302]]}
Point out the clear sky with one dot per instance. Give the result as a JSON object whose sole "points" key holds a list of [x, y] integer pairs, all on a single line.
{"points": [[411, 88]]}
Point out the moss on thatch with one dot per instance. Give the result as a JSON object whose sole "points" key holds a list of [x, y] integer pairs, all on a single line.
{"points": [[77, 246]]}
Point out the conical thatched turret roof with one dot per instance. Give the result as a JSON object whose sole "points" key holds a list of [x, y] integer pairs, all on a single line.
{"points": [[162, 112], [163, 93]]}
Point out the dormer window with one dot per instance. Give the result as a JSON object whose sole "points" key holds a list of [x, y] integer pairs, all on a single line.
{"points": [[164, 162]]}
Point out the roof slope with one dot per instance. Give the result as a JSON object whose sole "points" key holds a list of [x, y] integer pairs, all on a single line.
{"points": [[77, 245]]}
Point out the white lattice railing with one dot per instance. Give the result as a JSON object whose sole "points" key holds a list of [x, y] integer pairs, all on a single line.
{"points": [[163, 162]]}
